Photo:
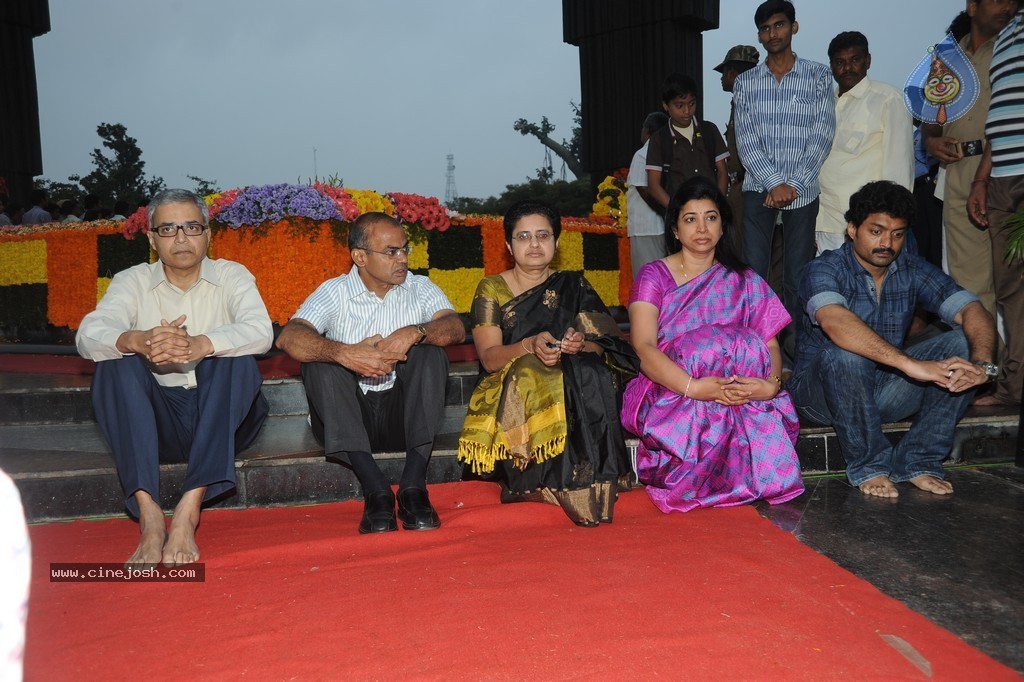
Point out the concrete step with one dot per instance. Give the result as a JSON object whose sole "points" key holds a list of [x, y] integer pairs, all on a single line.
{"points": [[65, 398], [51, 446]]}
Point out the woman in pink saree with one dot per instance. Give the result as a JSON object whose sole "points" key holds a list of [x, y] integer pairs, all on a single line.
{"points": [[715, 428]]}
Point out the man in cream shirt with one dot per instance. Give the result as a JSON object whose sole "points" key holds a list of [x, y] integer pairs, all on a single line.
{"points": [[874, 137], [175, 377]]}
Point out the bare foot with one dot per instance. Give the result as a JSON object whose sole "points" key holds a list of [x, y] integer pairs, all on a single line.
{"points": [[181, 545], [152, 531], [933, 484], [879, 486], [987, 401]]}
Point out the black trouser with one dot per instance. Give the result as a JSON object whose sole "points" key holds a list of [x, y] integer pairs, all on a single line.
{"points": [[349, 423]]}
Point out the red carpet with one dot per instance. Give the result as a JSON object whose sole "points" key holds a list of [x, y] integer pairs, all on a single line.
{"points": [[499, 592]]}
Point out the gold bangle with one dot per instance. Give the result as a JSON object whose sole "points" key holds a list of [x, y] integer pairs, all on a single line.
{"points": [[686, 391], [777, 379], [523, 342]]}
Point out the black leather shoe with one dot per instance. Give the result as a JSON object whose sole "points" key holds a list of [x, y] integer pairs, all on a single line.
{"points": [[378, 513], [415, 510]]}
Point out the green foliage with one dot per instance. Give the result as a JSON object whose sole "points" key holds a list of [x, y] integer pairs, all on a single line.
{"points": [[203, 186], [1015, 244], [573, 198], [59, 191], [121, 175]]}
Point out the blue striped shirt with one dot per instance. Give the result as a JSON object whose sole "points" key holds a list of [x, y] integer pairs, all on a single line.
{"points": [[784, 128], [349, 312], [1005, 125]]}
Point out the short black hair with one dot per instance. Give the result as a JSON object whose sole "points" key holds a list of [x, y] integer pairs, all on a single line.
{"points": [[357, 238], [699, 187], [960, 26], [90, 201], [678, 85], [39, 196], [655, 121], [766, 10], [881, 196], [846, 40], [521, 209]]}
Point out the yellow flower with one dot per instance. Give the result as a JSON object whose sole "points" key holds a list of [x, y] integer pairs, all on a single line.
{"points": [[369, 201], [570, 252], [459, 285], [606, 284], [24, 262]]}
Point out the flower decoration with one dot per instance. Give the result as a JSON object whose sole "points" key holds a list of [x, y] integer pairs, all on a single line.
{"points": [[369, 201], [348, 208], [417, 211], [260, 204], [136, 222], [611, 200], [219, 200]]}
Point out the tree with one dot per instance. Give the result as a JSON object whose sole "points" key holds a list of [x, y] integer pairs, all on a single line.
{"points": [[568, 151], [120, 176], [59, 191], [204, 187], [573, 198]]}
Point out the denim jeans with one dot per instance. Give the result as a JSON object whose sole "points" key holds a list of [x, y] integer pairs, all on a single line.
{"points": [[856, 396], [797, 236]]}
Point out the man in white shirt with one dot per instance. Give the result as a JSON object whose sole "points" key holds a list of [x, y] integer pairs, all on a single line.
{"points": [[175, 377], [37, 215], [645, 226], [874, 137], [375, 371]]}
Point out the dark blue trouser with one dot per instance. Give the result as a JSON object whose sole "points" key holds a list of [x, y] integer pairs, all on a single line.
{"points": [[797, 236], [146, 423], [856, 396]]}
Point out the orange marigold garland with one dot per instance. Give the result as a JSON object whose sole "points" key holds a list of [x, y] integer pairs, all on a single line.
{"points": [[71, 277]]}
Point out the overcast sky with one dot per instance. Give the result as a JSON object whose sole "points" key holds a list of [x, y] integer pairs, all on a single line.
{"points": [[242, 91]]}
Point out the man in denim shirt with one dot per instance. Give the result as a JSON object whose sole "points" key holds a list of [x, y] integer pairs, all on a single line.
{"points": [[852, 370]]}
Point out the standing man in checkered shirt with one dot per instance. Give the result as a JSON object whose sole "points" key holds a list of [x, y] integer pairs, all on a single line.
{"points": [[375, 371]]}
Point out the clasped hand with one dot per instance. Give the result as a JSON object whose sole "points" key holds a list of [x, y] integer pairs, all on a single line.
{"points": [[375, 356], [170, 343], [732, 390], [548, 349], [953, 374]]}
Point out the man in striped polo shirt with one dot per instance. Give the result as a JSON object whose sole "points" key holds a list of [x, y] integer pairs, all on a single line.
{"points": [[785, 120], [370, 343], [997, 192]]}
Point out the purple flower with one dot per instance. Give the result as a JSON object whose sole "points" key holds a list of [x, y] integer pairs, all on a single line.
{"points": [[273, 203]]}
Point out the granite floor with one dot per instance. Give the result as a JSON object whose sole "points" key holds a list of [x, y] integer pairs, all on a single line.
{"points": [[958, 559]]}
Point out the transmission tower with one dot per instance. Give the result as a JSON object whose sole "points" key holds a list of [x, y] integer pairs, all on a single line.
{"points": [[450, 193]]}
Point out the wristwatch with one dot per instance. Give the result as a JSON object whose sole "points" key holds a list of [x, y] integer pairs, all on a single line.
{"points": [[991, 371], [423, 334]]}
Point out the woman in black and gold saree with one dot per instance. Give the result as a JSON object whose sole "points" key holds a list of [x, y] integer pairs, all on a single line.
{"points": [[547, 413]]}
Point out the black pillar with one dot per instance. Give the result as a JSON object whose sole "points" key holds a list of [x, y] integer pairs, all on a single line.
{"points": [[626, 50], [21, 155]]}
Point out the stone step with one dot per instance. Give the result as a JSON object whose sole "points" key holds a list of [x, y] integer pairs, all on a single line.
{"points": [[65, 399], [66, 471]]}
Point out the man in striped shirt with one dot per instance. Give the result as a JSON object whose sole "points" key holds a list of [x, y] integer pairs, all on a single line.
{"points": [[370, 343], [997, 192], [785, 120]]}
